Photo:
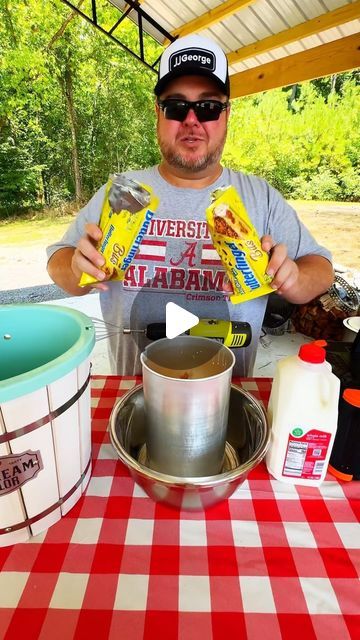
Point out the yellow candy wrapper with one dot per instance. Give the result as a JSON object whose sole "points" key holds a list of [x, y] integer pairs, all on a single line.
{"points": [[238, 245], [126, 213]]}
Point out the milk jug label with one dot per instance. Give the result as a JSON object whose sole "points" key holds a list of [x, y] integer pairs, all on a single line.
{"points": [[17, 469], [306, 454]]}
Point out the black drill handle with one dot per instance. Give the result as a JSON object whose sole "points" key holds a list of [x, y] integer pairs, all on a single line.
{"points": [[241, 329], [156, 331]]}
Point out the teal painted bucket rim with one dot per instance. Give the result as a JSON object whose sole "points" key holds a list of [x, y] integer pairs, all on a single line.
{"points": [[41, 376]]}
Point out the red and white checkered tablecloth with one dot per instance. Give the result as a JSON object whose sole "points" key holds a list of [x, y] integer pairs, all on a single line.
{"points": [[273, 562]]}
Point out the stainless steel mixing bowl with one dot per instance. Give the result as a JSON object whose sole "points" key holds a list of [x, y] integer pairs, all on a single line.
{"points": [[247, 440]]}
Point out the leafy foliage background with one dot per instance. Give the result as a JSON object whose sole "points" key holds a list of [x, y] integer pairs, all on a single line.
{"points": [[74, 107]]}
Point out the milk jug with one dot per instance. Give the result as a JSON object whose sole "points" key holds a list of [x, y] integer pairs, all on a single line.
{"points": [[303, 413]]}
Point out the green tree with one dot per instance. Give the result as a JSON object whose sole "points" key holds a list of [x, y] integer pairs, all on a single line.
{"points": [[309, 150], [73, 105]]}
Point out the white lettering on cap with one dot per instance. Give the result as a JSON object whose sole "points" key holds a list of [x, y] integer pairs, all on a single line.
{"points": [[198, 56]]}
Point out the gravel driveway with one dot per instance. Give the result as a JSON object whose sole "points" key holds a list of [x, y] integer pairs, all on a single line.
{"points": [[41, 293], [24, 278]]}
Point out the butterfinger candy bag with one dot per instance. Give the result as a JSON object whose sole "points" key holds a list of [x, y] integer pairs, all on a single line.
{"points": [[125, 217], [238, 245]]}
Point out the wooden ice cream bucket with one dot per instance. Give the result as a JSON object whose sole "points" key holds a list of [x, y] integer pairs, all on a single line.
{"points": [[45, 429]]}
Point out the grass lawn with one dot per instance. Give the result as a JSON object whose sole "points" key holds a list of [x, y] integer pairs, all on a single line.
{"points": [[41, 230]]}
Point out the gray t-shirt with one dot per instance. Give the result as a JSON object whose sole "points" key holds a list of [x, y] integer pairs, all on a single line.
{"points": [[177, 262]]}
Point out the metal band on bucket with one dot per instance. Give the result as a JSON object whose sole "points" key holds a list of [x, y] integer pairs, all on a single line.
{"points": [[6, 437], [29, 521]]}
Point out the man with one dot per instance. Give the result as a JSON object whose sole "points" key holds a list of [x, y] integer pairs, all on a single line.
{"points": [[176, 261]]}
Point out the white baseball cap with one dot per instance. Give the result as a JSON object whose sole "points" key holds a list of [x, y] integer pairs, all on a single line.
{"points": [[193, 55]]}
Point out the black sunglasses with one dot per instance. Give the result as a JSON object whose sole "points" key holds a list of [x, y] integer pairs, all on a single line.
{"points": [[205, 110]]}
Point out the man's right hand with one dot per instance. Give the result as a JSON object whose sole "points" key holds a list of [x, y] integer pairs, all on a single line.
{"points": [[86, 258]]}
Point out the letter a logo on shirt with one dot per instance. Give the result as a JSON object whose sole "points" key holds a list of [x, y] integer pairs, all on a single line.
{"points": [[188, 254]]}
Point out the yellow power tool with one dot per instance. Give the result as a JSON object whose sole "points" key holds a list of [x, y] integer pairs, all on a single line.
{"points": [[230, 333]]}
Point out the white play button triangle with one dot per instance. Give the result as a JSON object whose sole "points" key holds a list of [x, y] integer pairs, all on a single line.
{"points": [[178, 320]]}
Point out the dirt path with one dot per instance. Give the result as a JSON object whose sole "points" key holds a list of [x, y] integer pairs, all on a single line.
{"points": [[337, 228], [25, 267]]}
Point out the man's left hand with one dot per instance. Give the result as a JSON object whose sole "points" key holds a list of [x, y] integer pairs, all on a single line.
{"points": [[298, 281], [285, 271]]}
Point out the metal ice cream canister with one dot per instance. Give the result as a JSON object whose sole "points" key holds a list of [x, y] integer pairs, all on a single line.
{"points": [[186, 382]]}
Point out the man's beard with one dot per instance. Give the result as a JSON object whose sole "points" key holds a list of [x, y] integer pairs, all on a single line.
{"points": [[197, 164]]}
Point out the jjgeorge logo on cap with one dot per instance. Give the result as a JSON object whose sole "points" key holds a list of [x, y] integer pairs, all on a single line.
{"points": [[201, 57], [193, 55]]}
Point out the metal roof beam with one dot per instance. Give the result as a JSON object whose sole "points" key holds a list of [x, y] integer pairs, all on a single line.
{"points": [[206, 20], [131, 5], [135, 5], [333, 57], [311, 27]]}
